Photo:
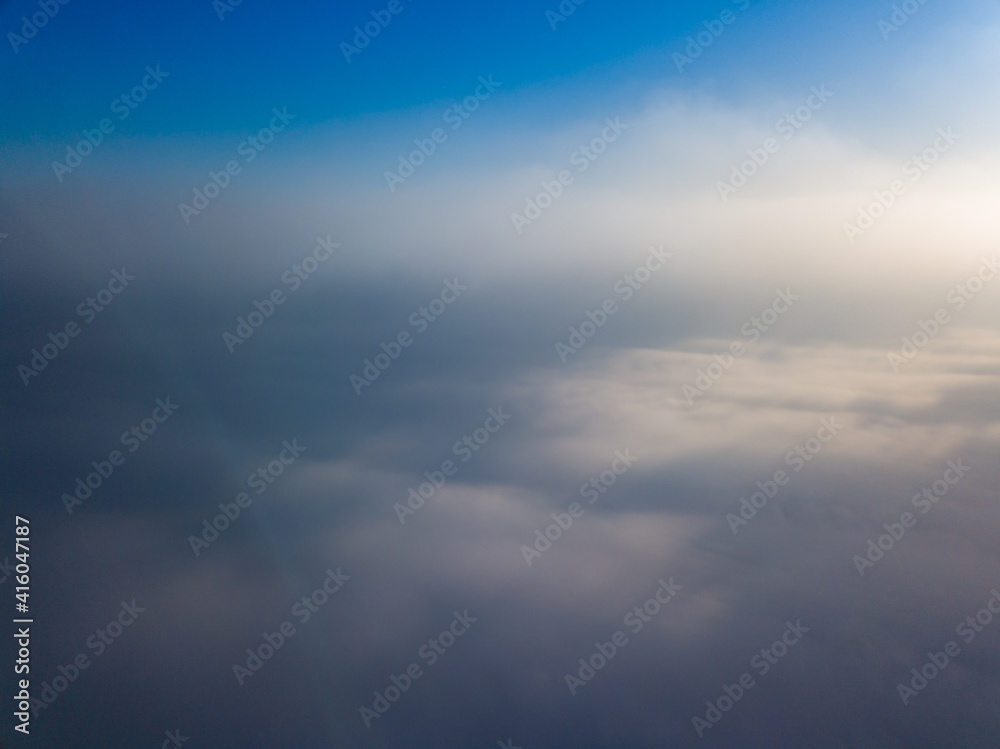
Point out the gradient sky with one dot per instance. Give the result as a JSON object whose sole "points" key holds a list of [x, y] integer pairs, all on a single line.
{"points": [[827, 357]]}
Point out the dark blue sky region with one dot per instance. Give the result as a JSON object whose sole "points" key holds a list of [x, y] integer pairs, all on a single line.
{"points": [[225, 73]]}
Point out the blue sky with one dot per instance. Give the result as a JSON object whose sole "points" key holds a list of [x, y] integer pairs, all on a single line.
{"points": [[224, 73]]}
